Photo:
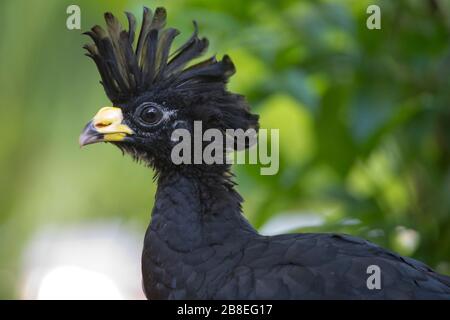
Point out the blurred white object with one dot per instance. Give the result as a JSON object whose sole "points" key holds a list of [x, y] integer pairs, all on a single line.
{"points": [[406, 240], [88, 261], [288, 222], [74, 282]]}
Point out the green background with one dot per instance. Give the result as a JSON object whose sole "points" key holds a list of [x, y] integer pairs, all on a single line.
{"points": [[364, 118]]}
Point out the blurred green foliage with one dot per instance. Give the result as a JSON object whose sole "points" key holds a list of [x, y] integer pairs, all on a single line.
{"points": [[364, 119]]}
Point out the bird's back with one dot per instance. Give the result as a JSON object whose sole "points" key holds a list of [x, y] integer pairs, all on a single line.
{"points": [[328, 266]]}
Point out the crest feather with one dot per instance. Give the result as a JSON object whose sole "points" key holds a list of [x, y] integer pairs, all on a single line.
{"points": [[127, 70]]}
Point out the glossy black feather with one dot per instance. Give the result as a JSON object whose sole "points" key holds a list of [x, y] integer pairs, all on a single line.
{"points": [[128, 73]]}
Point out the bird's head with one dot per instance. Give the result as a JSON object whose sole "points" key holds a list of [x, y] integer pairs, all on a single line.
{"points": [[155, 91]]}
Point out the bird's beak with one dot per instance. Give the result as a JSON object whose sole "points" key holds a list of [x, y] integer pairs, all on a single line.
{"points": [[107, 125]]}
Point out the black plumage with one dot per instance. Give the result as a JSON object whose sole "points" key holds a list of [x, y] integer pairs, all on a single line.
{"points": [[127, 72], [198, 244]]}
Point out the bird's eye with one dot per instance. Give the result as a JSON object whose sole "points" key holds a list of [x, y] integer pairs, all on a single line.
{"points": [[151, 115]]}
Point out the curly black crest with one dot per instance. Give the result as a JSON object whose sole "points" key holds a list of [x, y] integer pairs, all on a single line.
{"points": [[127, 71]]}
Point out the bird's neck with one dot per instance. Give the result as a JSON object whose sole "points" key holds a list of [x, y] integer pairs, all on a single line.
{"points": [[194, 211]]}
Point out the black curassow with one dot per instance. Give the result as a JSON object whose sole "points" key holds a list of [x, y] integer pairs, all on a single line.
{"points": [[198, 244]]}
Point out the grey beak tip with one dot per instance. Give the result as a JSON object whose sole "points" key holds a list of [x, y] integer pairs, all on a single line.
{"points": [[89, 135]]}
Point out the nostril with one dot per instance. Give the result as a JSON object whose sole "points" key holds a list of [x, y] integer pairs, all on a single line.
{"points": [[102, 124]]}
